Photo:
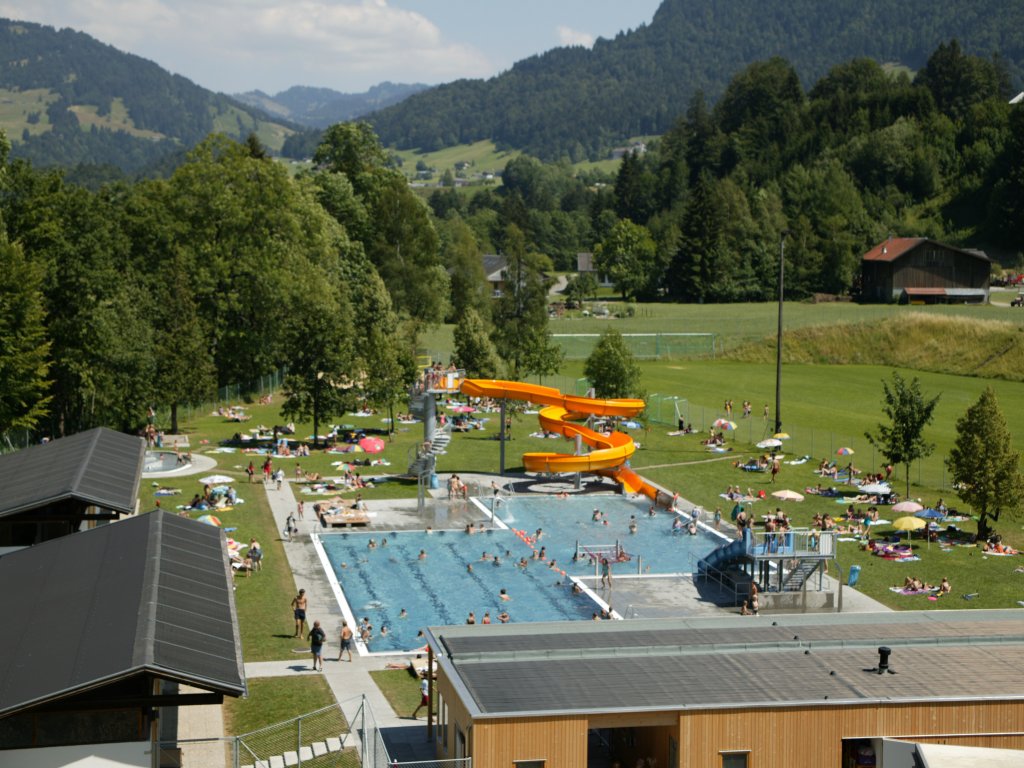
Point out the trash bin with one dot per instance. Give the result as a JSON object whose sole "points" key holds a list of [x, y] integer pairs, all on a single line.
{"points": [[433, 481], [854, 575]]}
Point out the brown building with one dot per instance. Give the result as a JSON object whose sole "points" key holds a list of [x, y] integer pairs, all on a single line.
{"points": [[919, 270], [729, 692]]}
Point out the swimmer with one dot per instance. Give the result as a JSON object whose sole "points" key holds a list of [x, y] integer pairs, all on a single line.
{"points": [[423, 554], [543, 555], [384, 631], [553, 564], [503, 617], [485, 556], [469, 567], [576, 588], [384, 542], [372, 544], [487, 618], [562, 495], [652, 511], [497, 560], [538, 534], [504, 595], [596, 515], [523, 562], [632, 528], [403, 614]]}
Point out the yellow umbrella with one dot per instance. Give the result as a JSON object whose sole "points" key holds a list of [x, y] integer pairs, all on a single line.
{"points": [[908, 524], [781, 436]]}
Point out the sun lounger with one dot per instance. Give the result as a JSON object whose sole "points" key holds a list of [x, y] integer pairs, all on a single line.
{"points": [[342, 520]]}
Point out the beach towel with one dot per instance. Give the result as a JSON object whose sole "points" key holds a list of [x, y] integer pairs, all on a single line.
{"points": [[909, 591]]}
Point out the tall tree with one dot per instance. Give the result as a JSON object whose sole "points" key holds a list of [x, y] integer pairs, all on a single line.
{"points": [[902, 441], [627, 256], [611, 367], [521, 315], [984, 467], [24, 349], [474, 349]]}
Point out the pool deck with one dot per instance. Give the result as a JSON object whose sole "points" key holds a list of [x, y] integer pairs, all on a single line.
{"points": [[632, 597]]}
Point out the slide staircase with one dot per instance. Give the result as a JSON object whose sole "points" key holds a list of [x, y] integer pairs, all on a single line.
{"points": [[609, 452]]}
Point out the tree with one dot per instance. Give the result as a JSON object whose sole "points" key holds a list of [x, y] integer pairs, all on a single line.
{"points": [[521, 315], [580, 287], [474, 349], [24, 350], [902, 440], [627, 256], [611, 367], [983, 464]]}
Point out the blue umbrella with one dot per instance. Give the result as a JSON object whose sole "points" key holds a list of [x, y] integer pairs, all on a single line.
{"points": [[930, 514]]}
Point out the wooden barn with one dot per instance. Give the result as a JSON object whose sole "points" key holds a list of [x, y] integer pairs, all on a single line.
{"points": [[833, 690], [922, 271]]}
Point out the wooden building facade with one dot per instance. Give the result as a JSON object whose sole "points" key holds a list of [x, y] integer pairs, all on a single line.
{"points": [[919, 270], [731, 692]]}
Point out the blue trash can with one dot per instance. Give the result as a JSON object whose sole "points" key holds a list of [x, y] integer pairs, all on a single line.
{"points": [[433, 481], [854, 575]]}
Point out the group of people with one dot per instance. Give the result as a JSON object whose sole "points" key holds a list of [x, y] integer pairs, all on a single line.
{"points": [[456, 488]]}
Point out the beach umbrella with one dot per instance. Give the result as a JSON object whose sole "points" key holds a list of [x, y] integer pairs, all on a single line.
{"points": [[771, 442], [209, 520], [216, 479], [463, 409], [724, 424], [781, 435], [844, 451], [930, 514], [372, 444], [908, 524], [787, 495], [907, 507]]}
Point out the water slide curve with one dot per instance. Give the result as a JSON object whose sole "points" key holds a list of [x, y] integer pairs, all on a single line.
{"points": [[609, 453]]}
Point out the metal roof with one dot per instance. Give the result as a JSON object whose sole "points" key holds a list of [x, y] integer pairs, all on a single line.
{"points": [[150, 594], [894, 247], [100, 467], [510, 670]]}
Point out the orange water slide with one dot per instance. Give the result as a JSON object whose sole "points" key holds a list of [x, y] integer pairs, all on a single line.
{"points": [[610, 452]]}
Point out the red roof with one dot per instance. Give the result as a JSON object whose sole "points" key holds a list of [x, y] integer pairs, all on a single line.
{"points": [[893, 248]]}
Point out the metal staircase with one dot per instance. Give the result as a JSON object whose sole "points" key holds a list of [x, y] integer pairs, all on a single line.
{"points": [[795, 579]]}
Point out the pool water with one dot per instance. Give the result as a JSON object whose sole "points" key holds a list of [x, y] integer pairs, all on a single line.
{"points": [[161, 461], [439, 589]]}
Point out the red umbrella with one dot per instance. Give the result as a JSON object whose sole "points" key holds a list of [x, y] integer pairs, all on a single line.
{"points": [[372, 444]]}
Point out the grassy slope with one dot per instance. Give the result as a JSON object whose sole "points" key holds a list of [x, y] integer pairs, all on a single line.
{"points": [[15, 107]]}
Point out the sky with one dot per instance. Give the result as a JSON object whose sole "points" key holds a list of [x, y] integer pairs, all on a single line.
{"points": [[348, 45]]}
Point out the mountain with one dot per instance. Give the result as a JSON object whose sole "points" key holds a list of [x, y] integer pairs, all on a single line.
{"points": [[577, 103], [67, 99], [322, 107]]}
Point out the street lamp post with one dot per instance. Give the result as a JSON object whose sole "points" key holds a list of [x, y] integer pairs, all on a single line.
{"points": [[778, 339]]}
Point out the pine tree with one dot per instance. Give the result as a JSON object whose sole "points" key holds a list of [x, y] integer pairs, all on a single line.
{"points": [[611, 367], [984, 466], [24, 350]]}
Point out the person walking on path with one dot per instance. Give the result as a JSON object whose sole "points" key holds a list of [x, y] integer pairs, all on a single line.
{"points": [[316, 638], [775, 469], [299, 605], [424, 697], [346, 640]]}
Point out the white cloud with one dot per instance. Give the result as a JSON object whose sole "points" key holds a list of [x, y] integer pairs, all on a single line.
{"points": [[235, 45], [569, 36]]}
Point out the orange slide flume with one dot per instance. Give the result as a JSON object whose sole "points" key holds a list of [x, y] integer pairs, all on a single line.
{"points": [[610, 452]]}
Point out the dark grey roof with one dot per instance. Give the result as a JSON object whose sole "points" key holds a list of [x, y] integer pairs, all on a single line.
{"points": [[494, 264], [150, 594], [99, 466], [733, 661]]}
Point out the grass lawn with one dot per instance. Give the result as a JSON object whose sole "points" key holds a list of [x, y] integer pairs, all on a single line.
{"points": [[401, 689], [275, 700]]}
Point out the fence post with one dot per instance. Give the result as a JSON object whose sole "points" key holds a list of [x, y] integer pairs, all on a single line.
{"points": [[298, 746], [362, 728]]}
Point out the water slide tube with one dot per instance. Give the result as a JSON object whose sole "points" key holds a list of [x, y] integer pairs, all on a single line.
{"points": [[721, 558], [610, 452]]}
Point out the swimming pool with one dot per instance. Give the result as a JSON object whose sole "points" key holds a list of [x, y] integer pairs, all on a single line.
{"points": [[162, 461], [439, 588]]}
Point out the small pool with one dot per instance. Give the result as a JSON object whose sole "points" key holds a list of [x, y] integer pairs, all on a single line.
{"points": [[161, 461], [440, 589]]}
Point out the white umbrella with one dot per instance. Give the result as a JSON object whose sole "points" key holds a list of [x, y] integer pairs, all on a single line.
{"points": [[787, 495], [216, 479], [875, 488], [771, 442]]}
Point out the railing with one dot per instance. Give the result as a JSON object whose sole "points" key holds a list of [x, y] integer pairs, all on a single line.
{"points": [[796, 542]]}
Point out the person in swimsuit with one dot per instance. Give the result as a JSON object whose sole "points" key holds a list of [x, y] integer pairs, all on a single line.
{"points": [[316, 639], [346, 640], [299, 611]]}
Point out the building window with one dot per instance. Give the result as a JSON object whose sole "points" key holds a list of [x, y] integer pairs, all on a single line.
{"points": [[735, 760], [528, 763]]}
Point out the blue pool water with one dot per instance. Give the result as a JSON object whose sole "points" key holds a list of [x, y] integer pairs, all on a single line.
{"points": [[439, 589]]}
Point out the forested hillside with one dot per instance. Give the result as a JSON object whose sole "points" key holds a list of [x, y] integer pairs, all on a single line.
{"points": [[576, 103], [321, 107], [69, 99]]}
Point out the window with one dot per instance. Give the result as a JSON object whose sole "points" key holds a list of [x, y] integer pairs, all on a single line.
{"points": [[735, 759], [528, 763]]}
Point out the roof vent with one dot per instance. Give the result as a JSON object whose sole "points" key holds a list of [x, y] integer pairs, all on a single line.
{"points": [[885, 250], [883, 662]]}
